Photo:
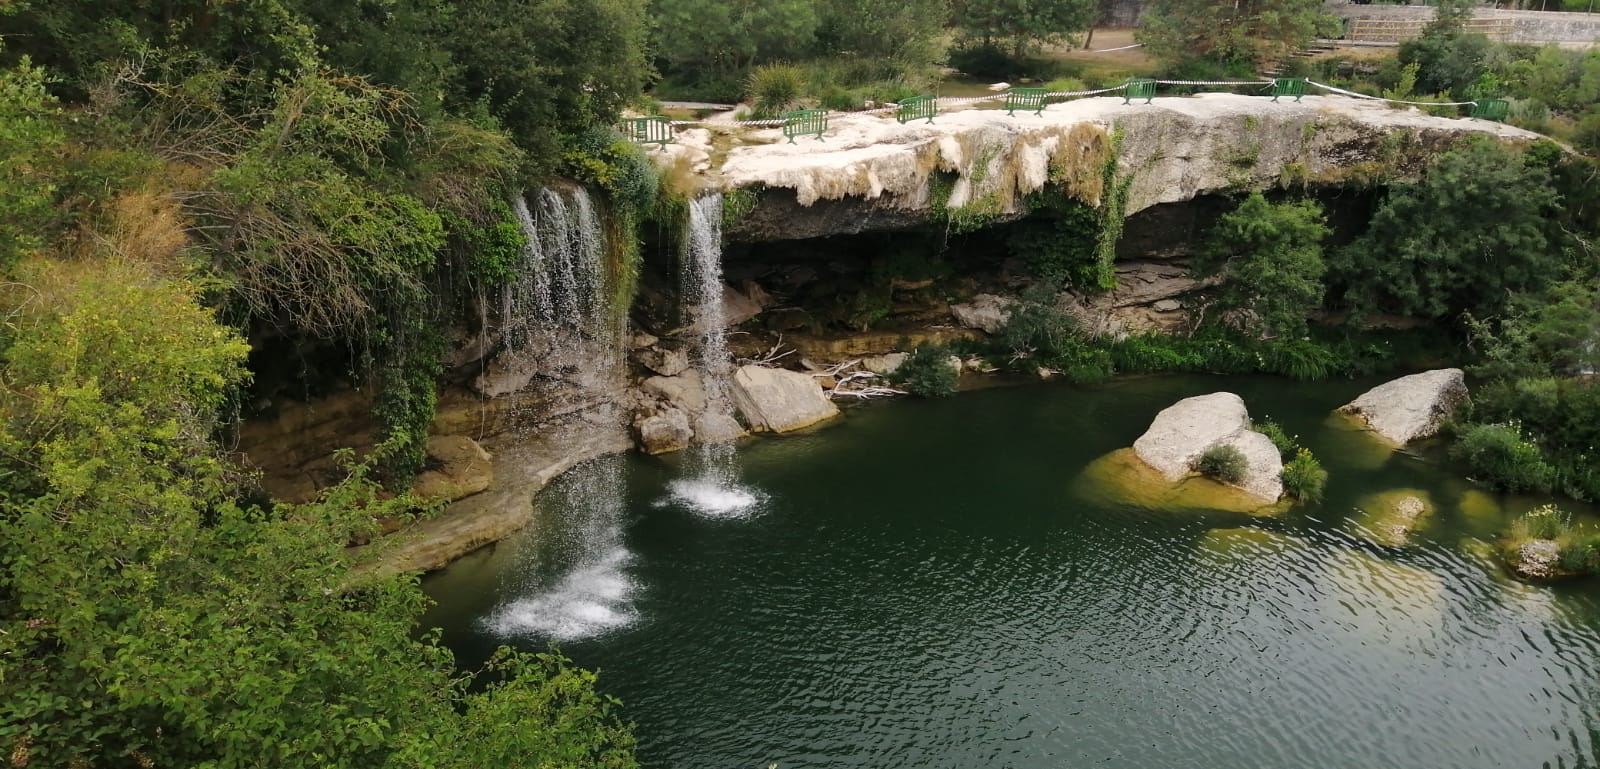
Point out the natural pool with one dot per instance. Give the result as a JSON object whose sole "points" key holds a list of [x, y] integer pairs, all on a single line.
{"points": [[926, 584]]}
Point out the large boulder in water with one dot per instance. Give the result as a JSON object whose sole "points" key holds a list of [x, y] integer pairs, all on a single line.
{"points": [[1186, 430], [778, 400], [1410, 407]]}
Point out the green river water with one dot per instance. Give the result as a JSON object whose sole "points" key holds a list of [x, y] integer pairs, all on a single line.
{"points": [[933, 584]]}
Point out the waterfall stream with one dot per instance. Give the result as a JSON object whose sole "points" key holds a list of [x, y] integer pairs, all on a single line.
{"points": [[577, 583], [554, 314], [560, 329], [710, 486]]}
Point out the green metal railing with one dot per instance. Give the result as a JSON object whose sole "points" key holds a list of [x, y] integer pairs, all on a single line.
{"points": [[1025, 99], [917, 108], [804, 122], [1491, 109], [1288, 86], [1139, 88], [648, 130]]}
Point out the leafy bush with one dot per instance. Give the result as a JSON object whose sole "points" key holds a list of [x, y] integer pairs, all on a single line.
{"points": [[1037, 334], [927, 373], [1580, 552], [1501, 458], [1224, 463], [1275, 433], [1304, 478]]}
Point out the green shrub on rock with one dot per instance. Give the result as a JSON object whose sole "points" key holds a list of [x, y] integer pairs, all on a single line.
{"points": [[1303, 477], [1224, 463], [1500, 457], [1275, 433]]}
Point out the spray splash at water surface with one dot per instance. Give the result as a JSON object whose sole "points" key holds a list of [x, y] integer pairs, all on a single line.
{"points": [[579, 585]]}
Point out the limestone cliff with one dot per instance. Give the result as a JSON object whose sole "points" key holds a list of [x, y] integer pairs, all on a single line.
{"points": [[872, 173]]}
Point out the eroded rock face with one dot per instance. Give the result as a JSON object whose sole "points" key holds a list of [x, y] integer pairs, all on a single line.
{"points": [[662, 361], [888, 363], [1410, 407], [464, 468], [664, 432], [985, 312], [684, 391], [1184, 431], [779, 401]]}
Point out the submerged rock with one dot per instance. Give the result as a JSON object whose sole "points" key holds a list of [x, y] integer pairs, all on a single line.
{"points": [[1392, 516], [1184, 431], [1410, 407], [1121, 478], [1538, 559], [778, 400]]}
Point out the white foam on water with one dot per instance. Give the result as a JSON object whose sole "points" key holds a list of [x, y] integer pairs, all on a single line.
{"points": [[713, 497], [593, 594], [588, 601]]}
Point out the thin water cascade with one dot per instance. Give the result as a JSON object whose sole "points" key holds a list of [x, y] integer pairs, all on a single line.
{"points": [[554, 315], [577, 584], [710, 486]]}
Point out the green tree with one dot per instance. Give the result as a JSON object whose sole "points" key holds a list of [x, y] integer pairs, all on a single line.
{"points": [[906, 31], [724, 38], [153, 619], [1472, 231], [1269, 256], [1237, 33], [548, 69], [30, 142], [1551, 332], [1020, 26]]}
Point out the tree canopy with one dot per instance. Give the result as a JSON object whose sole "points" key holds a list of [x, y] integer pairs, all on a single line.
{"points": [[1232, 33]]}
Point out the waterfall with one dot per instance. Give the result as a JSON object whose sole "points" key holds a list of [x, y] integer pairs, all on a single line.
{"points": [[579, 585], [560, 328], [702, 299], [555, 316], [711, 486]]}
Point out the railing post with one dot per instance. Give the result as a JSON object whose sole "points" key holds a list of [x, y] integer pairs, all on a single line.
{"points": [[1288, 86], [648, 130], [1139, 88], [917, 108], [803, 122], [1025, 98]]}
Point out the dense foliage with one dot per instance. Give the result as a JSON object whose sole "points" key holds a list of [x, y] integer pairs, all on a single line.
{"points": [[1474, 230], [1304, 478], [1232, 36], [154, 618], [177, 177], [1269, 256], [927, 373]]}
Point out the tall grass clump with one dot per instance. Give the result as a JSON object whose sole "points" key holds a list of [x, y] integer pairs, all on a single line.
{"points": [[773, 89]]}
